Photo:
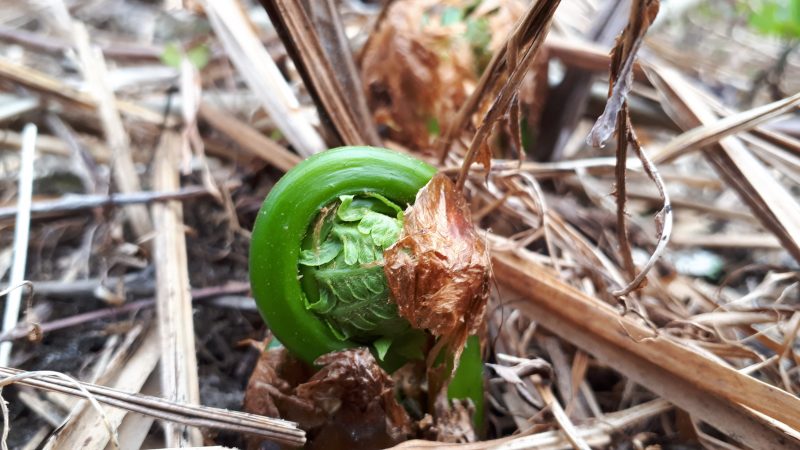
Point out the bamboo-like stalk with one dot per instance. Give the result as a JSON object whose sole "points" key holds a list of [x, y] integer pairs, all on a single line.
{"points": [[179, 380], [22, 229], [750, 411]]}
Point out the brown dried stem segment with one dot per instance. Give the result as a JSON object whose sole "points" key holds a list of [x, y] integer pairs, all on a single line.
{"points": [[522, 46], [616, 117], [439, 270]]}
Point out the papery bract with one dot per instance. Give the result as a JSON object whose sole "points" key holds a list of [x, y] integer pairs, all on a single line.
{"points": [[439, 269]]}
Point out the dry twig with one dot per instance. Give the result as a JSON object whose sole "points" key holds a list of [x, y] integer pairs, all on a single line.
{"points": [[173, 301], [22, 229], [261, 74], [520, 49], [190, 415]]}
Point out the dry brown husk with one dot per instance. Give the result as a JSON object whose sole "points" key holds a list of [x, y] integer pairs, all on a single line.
{"points": [[439, 269]]}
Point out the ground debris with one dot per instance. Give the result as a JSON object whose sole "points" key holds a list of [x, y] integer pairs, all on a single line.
{"points": [[349, 403], [452, 422]]}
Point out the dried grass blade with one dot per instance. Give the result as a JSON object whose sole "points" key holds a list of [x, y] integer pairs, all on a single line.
{"points": [[596, 432], [326, 66], [248, 138], [125, 176], [328, 23], [574, 438], [81, 428], [179, 379], [261, 74], [52, 87], [529, 35], [22, 229], [771, 203], [72, 204], [24, 377], [200, 416], [708, 134], [714, 392]]}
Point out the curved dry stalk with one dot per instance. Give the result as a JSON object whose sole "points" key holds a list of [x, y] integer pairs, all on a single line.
{"points": [[616, 116], [277, 430], [663, 218], [531, 33], [699, 137], [71, 381], [621, 191], [17, 286], [536, 191]]}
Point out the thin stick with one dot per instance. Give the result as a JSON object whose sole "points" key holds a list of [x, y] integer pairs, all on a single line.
{"points": [[200, 294], [93, 67], [200, 416], [20, 377], [21, 233], [574, 438], [704, 135], [76, 203], [261, 74], [663, 218], [179, 379], [621, 193]]}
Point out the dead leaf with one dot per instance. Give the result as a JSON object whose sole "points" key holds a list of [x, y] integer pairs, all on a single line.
{"points": [[439, 270], [452, 422], [416, 76], [349, 403], [270, 390]]}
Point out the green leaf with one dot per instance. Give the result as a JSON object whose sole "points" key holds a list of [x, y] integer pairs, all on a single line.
{"points": [[357, 302], [172, 55], [199, 56], [479, 36], [326, 253], [478, 33], [325, 303], [471, 7], [354, 298], [382, 346], [358, 247], [384, 230], [432, 124], [276, 135], [777, 18], [410, 344], [350, 211], [387, 202], [451, 15]]}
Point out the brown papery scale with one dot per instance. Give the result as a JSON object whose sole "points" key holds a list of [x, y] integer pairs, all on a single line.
{"points": [[439, 269]]}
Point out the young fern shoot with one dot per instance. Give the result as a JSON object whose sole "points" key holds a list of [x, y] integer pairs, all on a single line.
{"points": [[320, 272]]}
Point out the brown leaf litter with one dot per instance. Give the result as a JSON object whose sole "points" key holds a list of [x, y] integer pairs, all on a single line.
{"points": [[418, 76], [349, 403]]}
